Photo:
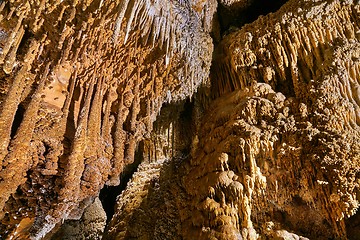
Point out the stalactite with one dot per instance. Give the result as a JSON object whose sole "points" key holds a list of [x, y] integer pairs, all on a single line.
{"points": [[77, 48], [67, 50], [119, 144], [105, 128], [11, 39], [12, 101], [121, 13], [18, 157], [94, 119], [75, 167], [92, 176], [11, 57], [66, 107]]}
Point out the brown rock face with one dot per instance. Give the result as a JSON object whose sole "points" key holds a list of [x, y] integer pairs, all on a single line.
{"points": [[90, 226], [81, 84], [268, 149], [277, 153]]}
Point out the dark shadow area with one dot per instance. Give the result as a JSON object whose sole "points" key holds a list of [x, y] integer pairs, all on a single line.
{"points": [[353, 227], [180, 116], [262, 7], [109, 194], [157, 216], [19, 115], [177, 143], [238, 16], [25, 43]]}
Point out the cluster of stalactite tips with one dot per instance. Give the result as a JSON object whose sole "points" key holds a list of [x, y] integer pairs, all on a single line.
{"points": [[248, 132]]}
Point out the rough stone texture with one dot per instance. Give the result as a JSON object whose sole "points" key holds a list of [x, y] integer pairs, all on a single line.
{"points": [[236, 5], [263, 164], [81, 84], [147, 208], [91, 225], [284, 154], [275, 155]]}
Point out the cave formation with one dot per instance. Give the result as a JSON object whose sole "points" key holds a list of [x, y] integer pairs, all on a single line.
{"points": [[179, 119]]}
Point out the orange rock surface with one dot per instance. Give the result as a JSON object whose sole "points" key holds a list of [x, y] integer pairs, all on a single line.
{"points": [[243, 131]]}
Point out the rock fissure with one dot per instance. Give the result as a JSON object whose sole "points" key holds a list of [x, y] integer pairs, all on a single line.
{"points": [[108, 194]]}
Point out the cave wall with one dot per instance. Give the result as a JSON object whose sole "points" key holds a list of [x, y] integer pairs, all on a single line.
{"points": [[257, 131], [81, 84], [276, 154]]}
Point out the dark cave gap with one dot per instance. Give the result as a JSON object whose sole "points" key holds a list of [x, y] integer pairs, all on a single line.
{"points": [[109, 194], [180, 114], [24, 43], [19, 115], [229, 17], [262, 7]]}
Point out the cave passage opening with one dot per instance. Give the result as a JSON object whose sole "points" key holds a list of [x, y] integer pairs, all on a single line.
{"points": [[239, 14], [171, 137], [108, 194]]}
